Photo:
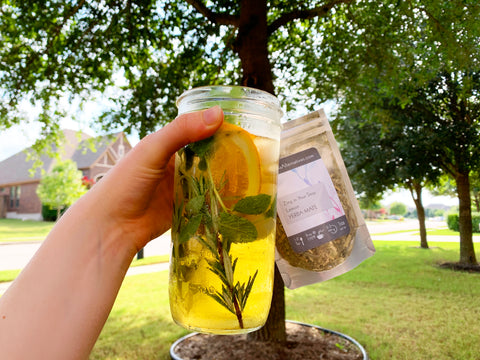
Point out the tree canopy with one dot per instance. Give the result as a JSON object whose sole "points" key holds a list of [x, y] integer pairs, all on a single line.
{"points": [[149, 51]]}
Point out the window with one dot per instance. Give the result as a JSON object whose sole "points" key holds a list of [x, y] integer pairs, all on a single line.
{"points": [[14, 196], [17, 200]]}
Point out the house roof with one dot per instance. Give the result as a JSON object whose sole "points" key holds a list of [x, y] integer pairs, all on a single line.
{"points": [[89, 150], [78, 146]]}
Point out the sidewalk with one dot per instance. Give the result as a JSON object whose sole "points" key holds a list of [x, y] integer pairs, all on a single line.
{"points": [[408, 230], [415, 236], [135, 270]]}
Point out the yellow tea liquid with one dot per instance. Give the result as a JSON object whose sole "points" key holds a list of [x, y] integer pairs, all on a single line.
{"points": [[223, 233]]}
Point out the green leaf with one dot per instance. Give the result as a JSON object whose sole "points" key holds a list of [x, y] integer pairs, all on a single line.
{"points": [[190, 228], [253, 205], [237, 229], [272, 211], [202, 164], [251, 280], [189, 155], [201, 148], [195, 204], [218, 298], [227, 264]]}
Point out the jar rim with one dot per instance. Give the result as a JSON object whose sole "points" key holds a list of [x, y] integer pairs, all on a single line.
{"points": [[225, 92]]}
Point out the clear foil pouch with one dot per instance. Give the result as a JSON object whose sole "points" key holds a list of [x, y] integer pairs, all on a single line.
{"points": [[321, 232]]}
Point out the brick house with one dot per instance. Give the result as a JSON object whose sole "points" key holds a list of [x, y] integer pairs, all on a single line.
{"points": [[18, 198]]}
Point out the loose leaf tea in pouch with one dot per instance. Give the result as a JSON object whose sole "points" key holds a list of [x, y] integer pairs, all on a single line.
{"points": [[321, 233]]}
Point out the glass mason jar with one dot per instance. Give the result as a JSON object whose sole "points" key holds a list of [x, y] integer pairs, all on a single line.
{"points": [[223, 230]]}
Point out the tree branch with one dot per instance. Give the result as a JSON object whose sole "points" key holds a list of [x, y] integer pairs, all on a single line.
{"points": [[216, 18], [319, 11]]}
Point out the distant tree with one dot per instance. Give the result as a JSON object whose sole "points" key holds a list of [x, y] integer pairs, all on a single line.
{"points": [[475, 189], [62, 186], [398, 208], [382, 156], [437, 130], [445, 186]]}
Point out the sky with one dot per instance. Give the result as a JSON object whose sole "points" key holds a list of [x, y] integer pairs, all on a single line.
{"points": [[20, 137]]}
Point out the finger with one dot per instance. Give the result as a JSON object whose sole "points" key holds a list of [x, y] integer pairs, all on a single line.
{"points": [[156, 149]]}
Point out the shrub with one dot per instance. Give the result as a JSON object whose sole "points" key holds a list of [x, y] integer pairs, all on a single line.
{"points": [[452, 222], [49, 214]]}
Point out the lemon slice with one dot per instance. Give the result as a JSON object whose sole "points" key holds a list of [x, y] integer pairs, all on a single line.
{"points": [[235, 164]]}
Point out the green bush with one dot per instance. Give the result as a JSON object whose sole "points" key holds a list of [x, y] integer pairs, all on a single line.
{"points": [[452, 222], [475, 222], [50, 214]]}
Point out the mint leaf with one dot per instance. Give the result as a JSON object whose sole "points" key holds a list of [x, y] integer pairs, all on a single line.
{"points": [[187, 231], [189, 155], [236, 229], [195, 204], [253, 205], [202, 164], [272, 212], [202, 147]]}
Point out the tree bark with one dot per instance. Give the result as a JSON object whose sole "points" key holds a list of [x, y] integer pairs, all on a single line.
{"points": [[416, 191], [251, 45], [467, 252], [274, 329]]}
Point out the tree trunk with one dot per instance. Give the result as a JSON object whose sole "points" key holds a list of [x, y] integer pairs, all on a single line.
{"points": [[467, 252], [416, 191], [274, 329], [251, 44]]}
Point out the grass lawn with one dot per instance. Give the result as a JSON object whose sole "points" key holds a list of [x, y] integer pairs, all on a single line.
{"points": [[397, 304], [14, 230], [8, 275]]}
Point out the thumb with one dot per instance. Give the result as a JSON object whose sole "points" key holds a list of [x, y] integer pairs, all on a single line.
{"points": [[156, 149]]}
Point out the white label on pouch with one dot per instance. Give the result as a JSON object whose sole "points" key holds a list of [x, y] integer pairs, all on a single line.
{"points": [[308, 204]]}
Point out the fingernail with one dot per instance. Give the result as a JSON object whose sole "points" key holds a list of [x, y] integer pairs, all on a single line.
{"points": [[212, 116]]}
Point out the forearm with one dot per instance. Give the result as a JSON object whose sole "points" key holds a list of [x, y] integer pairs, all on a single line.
{"points": [[81, 266]]}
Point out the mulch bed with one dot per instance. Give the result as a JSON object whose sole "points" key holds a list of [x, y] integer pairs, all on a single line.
{"points": [[460, 267], [304, 342]]}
